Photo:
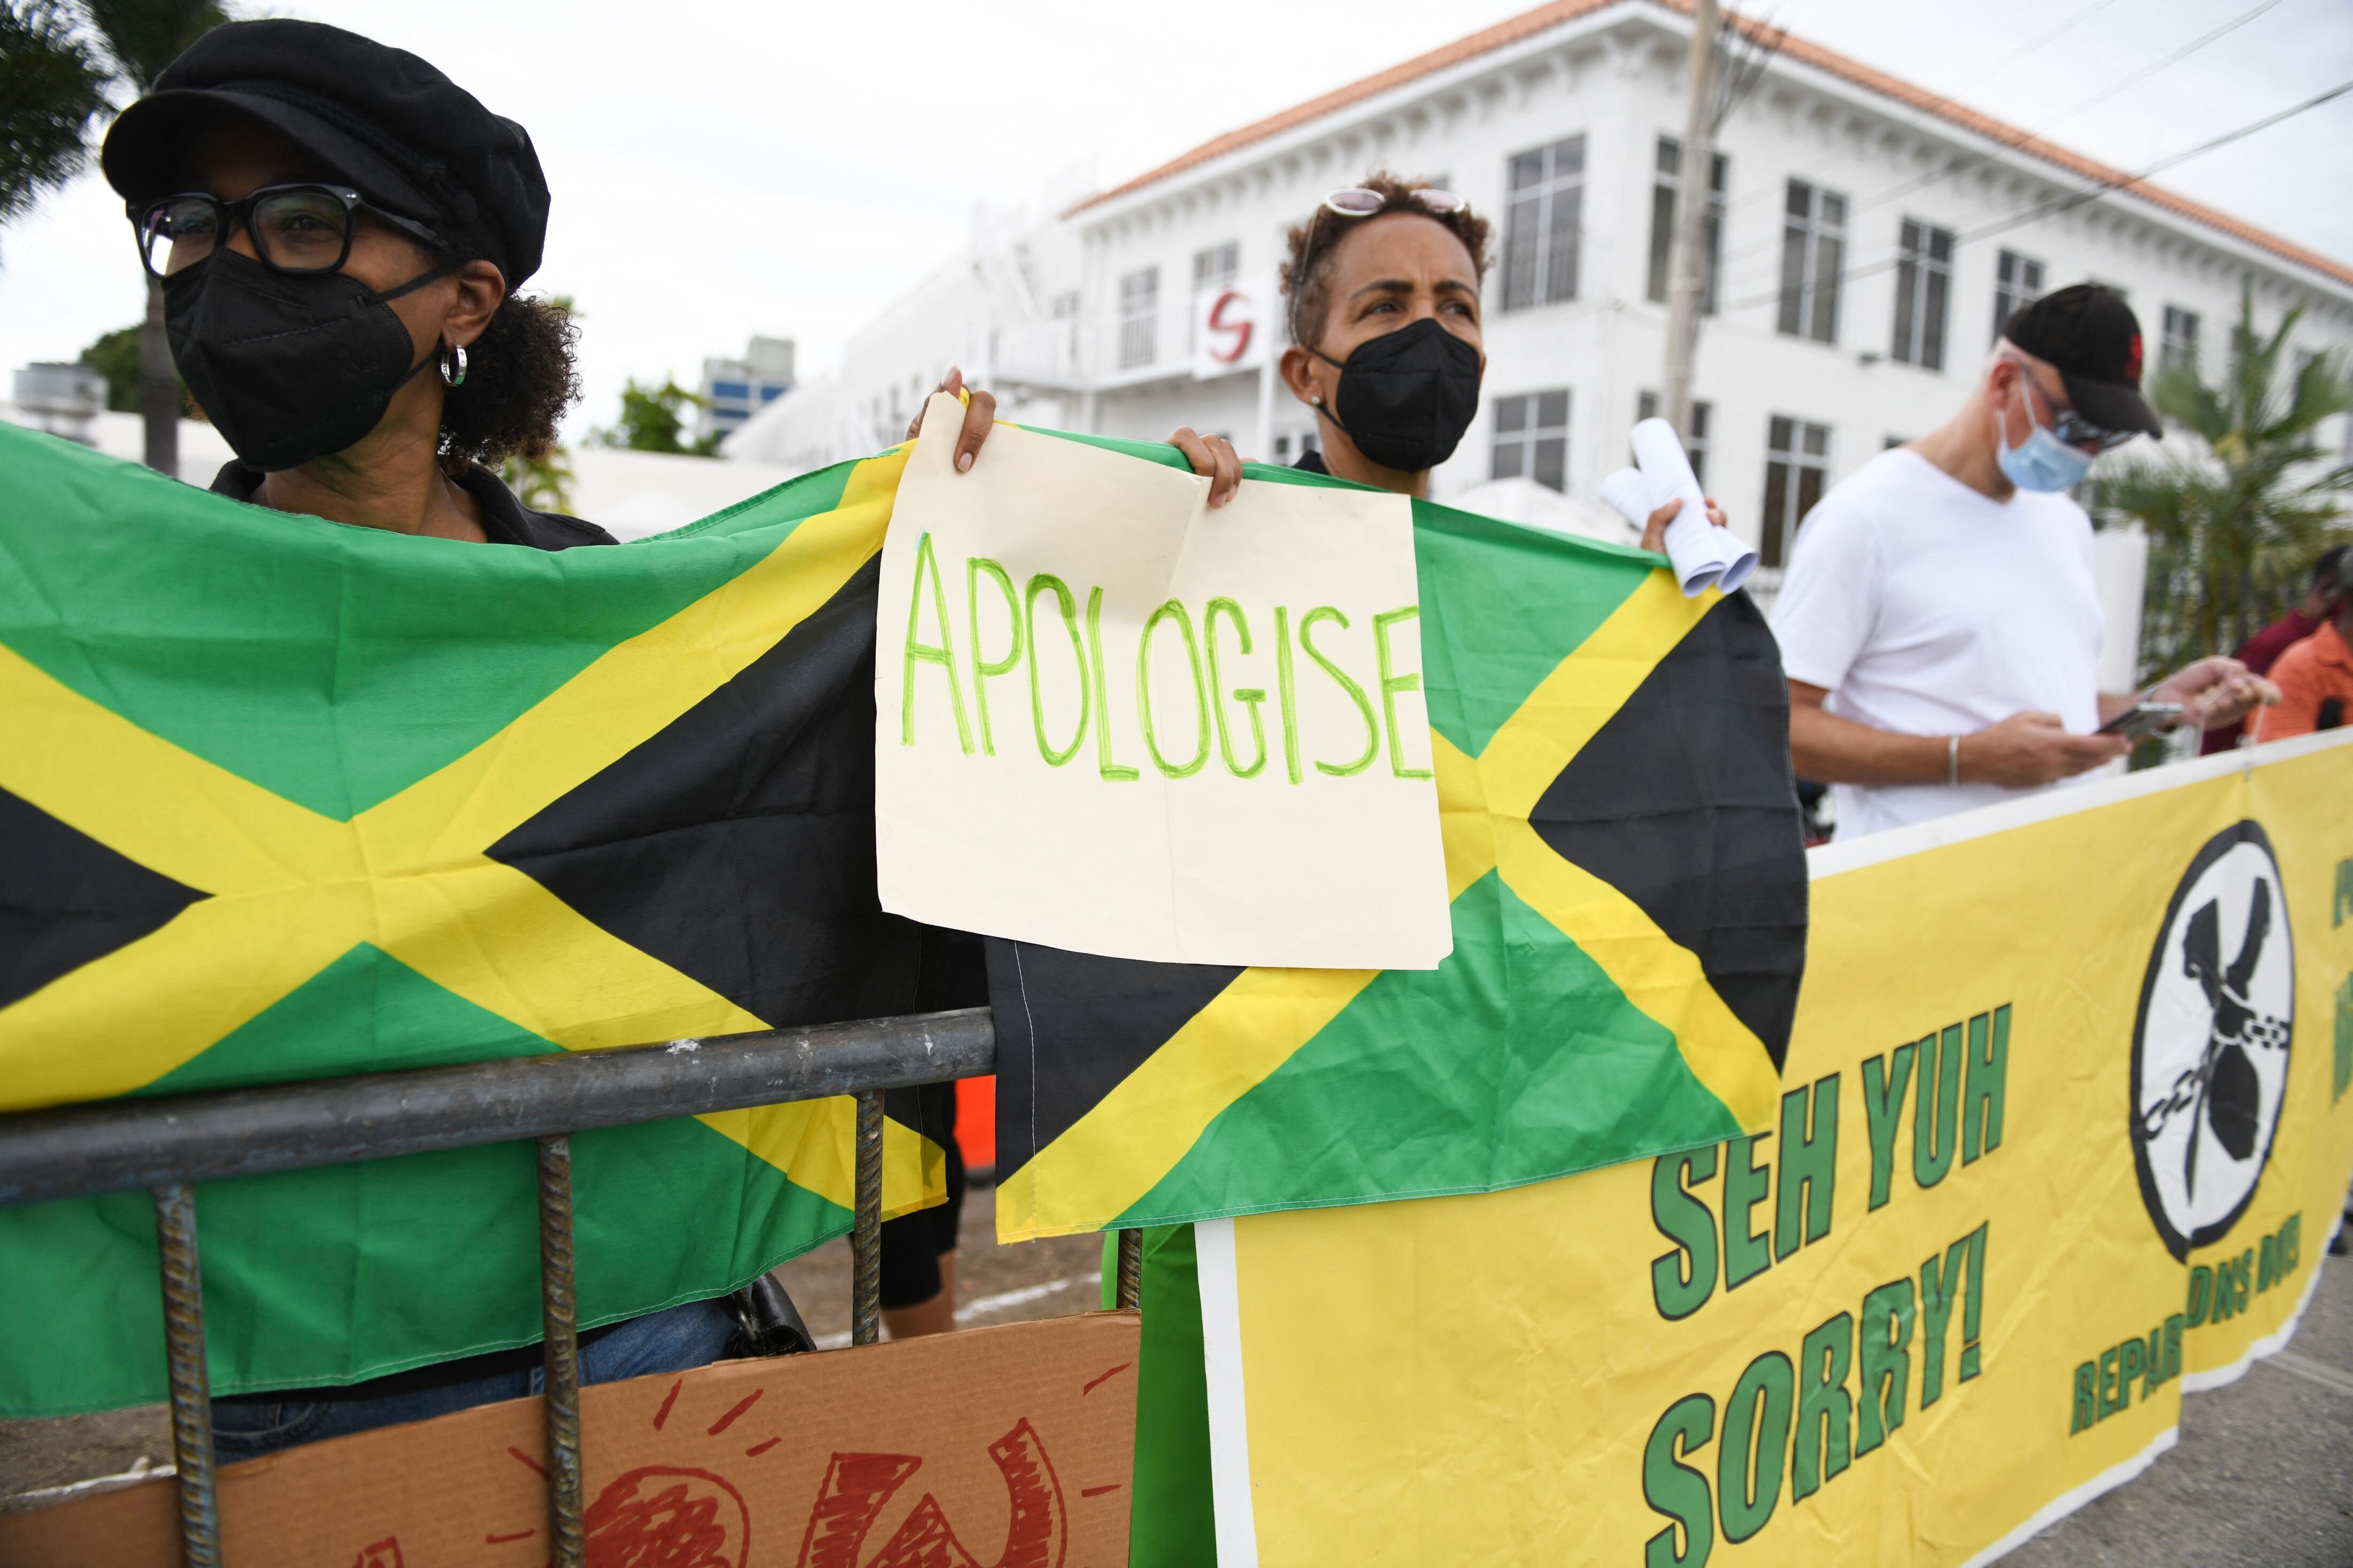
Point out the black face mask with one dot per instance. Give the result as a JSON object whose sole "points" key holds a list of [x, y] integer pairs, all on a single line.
{"points": [[1406, 396], [288, 366]]}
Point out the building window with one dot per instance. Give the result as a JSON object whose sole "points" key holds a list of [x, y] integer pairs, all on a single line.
{"points": [[1532, 438], [1924, 283], [1216, 266], [1813, 250], [2179, 345], [1663, 183], [1543, 211], [1139, 317], [2017, 283], [1646, 407], [1796, 468]]}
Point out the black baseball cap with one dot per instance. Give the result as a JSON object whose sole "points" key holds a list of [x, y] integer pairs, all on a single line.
{"points": [[2092, 338], [410, 139]]}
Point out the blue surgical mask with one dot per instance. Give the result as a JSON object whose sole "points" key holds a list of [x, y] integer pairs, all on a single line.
{"points": [[2045, 462]]}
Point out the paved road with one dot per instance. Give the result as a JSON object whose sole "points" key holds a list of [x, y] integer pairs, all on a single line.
{"points": [[2262, 1476]]}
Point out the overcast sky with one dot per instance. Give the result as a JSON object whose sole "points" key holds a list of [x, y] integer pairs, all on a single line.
{"points": [[725, 168]]}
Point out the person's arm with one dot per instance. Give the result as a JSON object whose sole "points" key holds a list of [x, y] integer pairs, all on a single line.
{"points": [[2023, 752], [2214, 693]]}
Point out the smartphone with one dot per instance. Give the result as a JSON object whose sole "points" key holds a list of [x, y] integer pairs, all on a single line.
{"points": [[2141, 719]]}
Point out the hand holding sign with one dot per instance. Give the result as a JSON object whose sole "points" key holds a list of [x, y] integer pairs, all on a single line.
{"points": [[1114, 721]]}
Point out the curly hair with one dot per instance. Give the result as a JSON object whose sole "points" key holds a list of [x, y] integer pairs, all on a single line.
{"points": [[1306, 276], [519, 379]]}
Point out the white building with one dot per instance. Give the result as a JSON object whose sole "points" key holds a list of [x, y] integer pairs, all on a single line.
{"points": [[1871, 237]]}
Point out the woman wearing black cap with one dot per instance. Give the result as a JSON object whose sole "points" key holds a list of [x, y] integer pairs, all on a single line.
{"points": [[340, 231]]}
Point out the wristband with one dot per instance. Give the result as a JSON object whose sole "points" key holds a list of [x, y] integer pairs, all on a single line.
{"points": [[1953, 760]]}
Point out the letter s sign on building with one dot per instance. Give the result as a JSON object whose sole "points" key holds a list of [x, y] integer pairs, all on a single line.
{"points": [[1226, 337]]}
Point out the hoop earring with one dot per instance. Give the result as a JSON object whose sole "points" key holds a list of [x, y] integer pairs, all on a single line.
{"points": [[454, 376]]}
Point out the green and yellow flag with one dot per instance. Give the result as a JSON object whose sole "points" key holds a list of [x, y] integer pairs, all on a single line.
{"points": [[281, 799], [1628, 881]]}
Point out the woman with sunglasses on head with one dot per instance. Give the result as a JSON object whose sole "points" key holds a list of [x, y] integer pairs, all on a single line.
{"points": [[1382, 290]]}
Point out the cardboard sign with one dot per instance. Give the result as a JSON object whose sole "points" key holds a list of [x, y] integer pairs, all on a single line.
{"points": [[1009, 1447], [1114, 721]]}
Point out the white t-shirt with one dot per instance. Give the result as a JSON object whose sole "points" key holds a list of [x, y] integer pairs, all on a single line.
{"points": [[1926, 608]]}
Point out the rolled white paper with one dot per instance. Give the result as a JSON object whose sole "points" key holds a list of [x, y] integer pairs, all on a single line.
{"points": [[1627, 493], [1702, 554]]}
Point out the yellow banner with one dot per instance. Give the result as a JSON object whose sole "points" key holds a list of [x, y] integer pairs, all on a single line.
{"points": [[2065, 1129]]}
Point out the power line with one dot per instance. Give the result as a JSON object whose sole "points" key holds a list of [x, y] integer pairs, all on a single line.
{"points": [[2077, 198], [2176, 58], [2003, 64], [2018, 138], [2065, 204]]}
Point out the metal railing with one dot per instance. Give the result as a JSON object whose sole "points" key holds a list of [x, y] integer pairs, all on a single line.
{"points": [[168, 1144]]}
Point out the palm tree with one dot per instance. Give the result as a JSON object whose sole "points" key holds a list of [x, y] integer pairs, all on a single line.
{"points": [[141, 37], [2241, 499], [51, 87]]}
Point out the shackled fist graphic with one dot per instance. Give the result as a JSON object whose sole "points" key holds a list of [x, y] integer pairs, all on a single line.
{"points": [[2223, 1088], [2211, 1046]]}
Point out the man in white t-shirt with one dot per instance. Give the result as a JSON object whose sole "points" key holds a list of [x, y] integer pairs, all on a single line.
{"points": [[1939, 623]]}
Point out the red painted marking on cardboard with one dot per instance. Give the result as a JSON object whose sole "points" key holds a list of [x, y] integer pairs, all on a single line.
{"points": [[1098, 1491], [679, 1517], [517, 1535], [527, 1459], [756, 1449], [741, 1404], [857, 1486], [1114, 1372], [384, 1553], [668, 1400]]}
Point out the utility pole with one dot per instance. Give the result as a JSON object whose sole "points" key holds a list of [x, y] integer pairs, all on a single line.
{"points": [[1694, 185], [158, 388]]}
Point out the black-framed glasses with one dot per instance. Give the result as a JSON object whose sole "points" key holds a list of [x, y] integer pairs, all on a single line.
{"points": [[295, 229]]}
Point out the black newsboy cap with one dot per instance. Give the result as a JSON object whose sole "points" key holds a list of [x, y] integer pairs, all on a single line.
{"points": [[412, 141]]}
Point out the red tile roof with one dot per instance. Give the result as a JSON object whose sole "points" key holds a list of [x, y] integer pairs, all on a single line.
{"points": [[1530, 22]]}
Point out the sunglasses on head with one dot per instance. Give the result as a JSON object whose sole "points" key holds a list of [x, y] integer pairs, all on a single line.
{"points": [[1355, 201]]}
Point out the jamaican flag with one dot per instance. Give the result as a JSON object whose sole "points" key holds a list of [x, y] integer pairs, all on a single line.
{"points": [[281, 799], [1629, 899]]}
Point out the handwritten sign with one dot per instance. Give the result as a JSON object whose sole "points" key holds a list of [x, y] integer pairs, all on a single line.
{"points": [[1114, 721]]}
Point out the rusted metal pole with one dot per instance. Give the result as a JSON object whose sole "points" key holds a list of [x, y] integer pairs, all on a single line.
{"points": [[866, 1236], [192, 1402], [562, 1344], [1130, 1270], [135, 1145]]}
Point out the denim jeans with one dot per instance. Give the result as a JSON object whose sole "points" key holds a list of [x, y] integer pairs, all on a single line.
{"points": [[675, 1338]]}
